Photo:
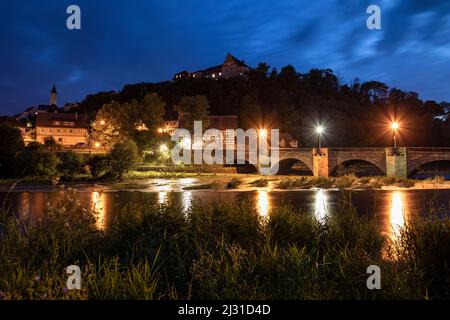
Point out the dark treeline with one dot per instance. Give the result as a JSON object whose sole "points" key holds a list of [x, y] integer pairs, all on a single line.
{"points": [[354, 114]]}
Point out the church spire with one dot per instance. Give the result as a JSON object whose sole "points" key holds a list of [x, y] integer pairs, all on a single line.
{"points": [[53, 96]]}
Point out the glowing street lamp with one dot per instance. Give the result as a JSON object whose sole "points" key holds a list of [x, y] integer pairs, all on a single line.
{"points": [[160, 130], [163, 148], [319, 130], [394, 127], [97, 144], [102, 122], [262, 133]]}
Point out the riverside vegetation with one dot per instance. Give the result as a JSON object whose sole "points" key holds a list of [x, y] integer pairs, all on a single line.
{"points": [[220, 251]]}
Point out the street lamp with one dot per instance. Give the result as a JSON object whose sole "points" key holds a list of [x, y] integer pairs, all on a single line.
{"points": [[319, 131], [262, 133], [394, 127], [163, 148]]}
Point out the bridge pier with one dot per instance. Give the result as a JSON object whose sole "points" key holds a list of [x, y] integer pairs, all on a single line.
{"points": [[396, 162], [320, 162]]}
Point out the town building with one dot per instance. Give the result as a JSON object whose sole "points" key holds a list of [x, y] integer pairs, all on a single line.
{"points": [[67, 129], [51, 122], [231, 67], [221, 123]]}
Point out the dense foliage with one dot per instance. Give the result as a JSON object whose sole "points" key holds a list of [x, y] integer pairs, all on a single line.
{"points": [[221, 251], [48, 161], [354, 114]]}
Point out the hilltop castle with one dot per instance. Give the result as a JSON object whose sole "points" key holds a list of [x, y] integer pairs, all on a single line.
{"points": [[231, 67]]}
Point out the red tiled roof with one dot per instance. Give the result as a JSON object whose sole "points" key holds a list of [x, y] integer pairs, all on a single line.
{"points": [[49, 119]]}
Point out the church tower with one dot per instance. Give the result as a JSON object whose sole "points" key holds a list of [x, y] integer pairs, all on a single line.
{"points": [[53, 96]]}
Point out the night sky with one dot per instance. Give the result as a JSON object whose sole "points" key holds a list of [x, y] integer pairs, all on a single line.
{"points": [[148, 41]]}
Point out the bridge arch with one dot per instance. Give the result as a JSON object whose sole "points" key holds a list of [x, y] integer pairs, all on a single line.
{"points": [[358, 167], [294, 166], [428, 169]]}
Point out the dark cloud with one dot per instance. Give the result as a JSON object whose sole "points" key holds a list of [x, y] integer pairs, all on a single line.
{"points": [[132, 41]]}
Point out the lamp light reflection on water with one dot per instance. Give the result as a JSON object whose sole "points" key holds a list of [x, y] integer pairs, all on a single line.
{"points": [[321, 205], [396, 215], [263, 203], [187, 201], [98, 206], [162, 197]]}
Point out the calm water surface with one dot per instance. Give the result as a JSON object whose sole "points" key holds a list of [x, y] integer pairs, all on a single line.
{"points": [[392, 208]]}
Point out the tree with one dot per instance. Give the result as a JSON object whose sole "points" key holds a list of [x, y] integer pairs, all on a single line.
{"points": [[250, 113], [318, 95], [113, 122], [151, 111], [147, 140], [71, 163], [98, 165], [51, 144], [194, 108], [11, 145], [123, 157], [289, 118], [39, 161]]}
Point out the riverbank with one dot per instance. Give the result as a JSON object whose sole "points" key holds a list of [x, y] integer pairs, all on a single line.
{"points": [[223, 251], [154, 181]]}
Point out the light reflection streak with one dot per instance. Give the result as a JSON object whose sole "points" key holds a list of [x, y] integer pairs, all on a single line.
{"points": [[263, 203], [397, 215], [187, 202], [98, 207], [162, 197], [321, 206]]}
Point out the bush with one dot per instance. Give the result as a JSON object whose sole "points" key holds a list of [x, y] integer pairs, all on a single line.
{"points": [[346, 181], [11, 144], [296, 183], [98, 165], [234, 183], [39, 162], [123, 157], [260, 183], [71, 164]]}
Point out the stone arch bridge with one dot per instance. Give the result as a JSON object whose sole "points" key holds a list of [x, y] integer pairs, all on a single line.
{"points": [[398, 162]]}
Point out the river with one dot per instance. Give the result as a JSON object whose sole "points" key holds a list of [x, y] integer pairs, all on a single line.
{"points": [[392, 208]]}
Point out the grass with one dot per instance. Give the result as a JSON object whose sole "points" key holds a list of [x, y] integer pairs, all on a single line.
{"points": [[260, 183], [137, 175], [220, 251], [345, 182], [234, 183], [212, 185]]}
